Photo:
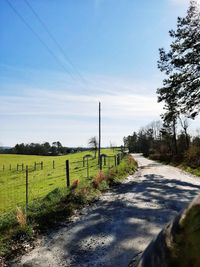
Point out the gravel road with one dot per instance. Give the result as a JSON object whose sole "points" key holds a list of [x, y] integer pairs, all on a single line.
{"points": [[117, 228]]}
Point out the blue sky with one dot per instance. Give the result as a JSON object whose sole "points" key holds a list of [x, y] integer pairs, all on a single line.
{"points": [[113, 47]]}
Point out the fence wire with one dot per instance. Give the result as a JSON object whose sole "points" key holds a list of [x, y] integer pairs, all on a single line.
{"points": [[43, 178]]}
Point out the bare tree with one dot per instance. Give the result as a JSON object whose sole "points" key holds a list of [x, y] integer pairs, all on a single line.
{"points": [[185, 124], [156, 127], [93, 144]]}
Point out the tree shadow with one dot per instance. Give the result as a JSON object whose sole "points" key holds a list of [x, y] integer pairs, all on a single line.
{"points": [[121, 224], [115, 229]]}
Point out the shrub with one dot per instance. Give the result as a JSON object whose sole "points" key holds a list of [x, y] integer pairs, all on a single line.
{"points": [[161, 157], [98, 179], [192, 157], [74, 185], [127, 166], [7, 221], [103, 186], [22, 232]]}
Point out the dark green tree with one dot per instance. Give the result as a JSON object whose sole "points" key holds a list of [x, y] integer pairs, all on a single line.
{"points": [[181, 64]]}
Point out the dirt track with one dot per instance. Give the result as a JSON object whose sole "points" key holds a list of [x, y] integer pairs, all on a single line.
{"points": [[121, 224]]}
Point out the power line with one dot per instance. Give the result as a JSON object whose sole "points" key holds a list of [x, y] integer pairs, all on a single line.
{"points": [[38, 37], [54, 39]]}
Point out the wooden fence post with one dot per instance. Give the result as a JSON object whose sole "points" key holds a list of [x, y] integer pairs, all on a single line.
{"points": [[26, 188], [87, 168], [35, 167], [67, 173], [41, 165], [115, 160], [100, 163], [53, 164], [118, 159]]}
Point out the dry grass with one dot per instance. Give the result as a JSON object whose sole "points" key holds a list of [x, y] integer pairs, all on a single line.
{"points": [[21, 217], [74, 185], [98, 179]]}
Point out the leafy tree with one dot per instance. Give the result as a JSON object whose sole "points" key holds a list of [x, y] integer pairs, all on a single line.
{"points": [[56, 148], [131, 142]]}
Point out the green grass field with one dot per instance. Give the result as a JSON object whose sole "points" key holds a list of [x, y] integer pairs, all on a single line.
{"points": [[41, 182]]}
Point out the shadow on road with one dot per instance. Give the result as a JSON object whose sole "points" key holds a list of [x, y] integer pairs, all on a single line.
{"points": [[113, 232]]}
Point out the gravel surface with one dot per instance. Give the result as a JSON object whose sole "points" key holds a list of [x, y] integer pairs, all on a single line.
{"points": [[117, 228]]}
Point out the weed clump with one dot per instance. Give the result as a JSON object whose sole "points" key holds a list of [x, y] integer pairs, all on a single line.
{"points": [[98, 179], [74, 185], [21, 217]]}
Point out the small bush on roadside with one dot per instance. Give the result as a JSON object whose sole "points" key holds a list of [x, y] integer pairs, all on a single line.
{"points": [[74, 185], [161, 157], [103, 186], [192, 157], [111, 175], [127, 166], [78, 198], [98, 179], [22, 232], [7, 221]]}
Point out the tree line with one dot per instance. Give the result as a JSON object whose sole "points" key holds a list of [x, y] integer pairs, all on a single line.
{"points": [[154, 142], [44, 149], [180, 93]]}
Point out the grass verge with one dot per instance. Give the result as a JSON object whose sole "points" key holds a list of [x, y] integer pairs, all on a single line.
{"points": [[193, 171], [17, 229]]}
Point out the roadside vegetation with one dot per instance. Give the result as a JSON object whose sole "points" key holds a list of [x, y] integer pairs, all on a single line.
{"points": [[153, 144], [169, 140], [17, 227]]}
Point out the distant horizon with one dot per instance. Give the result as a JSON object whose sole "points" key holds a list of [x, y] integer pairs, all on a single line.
{"points": [[53, 73], [114, 146]]}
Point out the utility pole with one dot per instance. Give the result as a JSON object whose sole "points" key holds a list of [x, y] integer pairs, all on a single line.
{"points": [[99, 149]]}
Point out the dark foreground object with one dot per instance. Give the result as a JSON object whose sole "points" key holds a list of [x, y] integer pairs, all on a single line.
{"points": [[178, 244]]}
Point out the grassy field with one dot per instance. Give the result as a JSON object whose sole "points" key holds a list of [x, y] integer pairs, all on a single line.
{"points": [[41, 182]]}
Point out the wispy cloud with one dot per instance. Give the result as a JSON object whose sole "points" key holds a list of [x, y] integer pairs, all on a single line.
{"points": [[60, 103], [65, 111], [63, 106], [61, 96]]}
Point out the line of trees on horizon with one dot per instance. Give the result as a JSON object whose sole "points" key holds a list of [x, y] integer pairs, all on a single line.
{"points": [[54, 149], [44, 149]]}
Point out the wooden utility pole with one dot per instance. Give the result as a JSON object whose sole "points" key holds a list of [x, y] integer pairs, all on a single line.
{"points": [[99, 149]]}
